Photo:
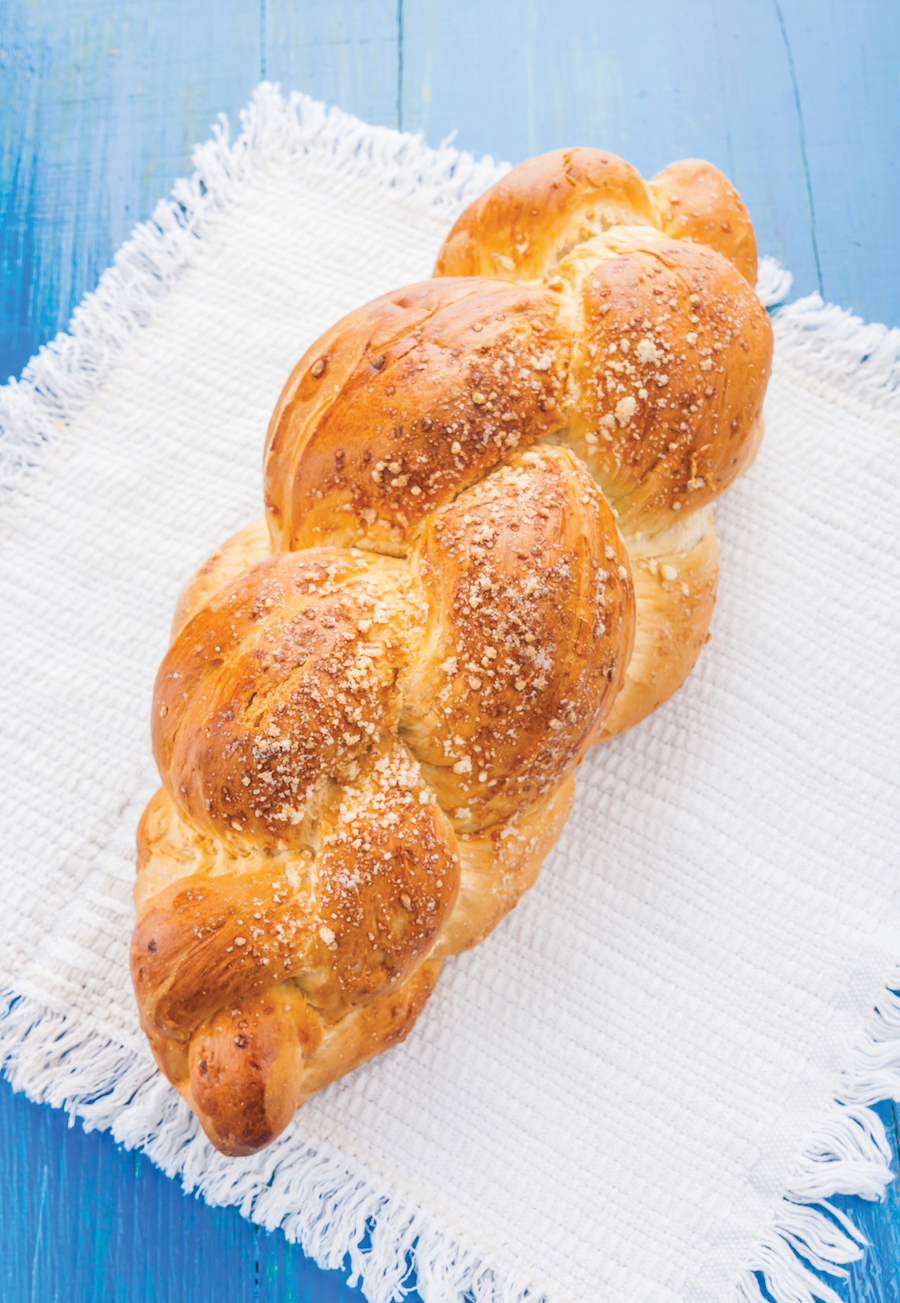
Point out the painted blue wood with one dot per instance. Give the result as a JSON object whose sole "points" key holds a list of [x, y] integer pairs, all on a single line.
{"points": [[876, 1279], [796, 100], [342, 51], [87, 1222], [100, 103]]}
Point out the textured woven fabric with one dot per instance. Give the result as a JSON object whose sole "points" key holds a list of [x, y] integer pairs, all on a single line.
{"points": [[609, 1098]]}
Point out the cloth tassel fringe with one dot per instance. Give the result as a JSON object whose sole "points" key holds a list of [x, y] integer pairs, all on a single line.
{"points": [[65, 375], [314, 1199], [849, 1153], [310, 1196], [829, 343], [773, 282]]}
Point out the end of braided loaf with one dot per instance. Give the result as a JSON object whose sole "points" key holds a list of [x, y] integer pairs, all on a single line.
{"points": [[487, 545]]}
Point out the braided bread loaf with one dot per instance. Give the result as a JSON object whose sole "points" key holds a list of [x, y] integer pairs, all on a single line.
{"points": [[487, 545]]}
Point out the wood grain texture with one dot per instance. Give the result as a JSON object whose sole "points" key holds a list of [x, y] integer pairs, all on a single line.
{"points": [[88, 1222], [100, 104], [342, 51], [793, 100], [796, 100], [101, 107]]}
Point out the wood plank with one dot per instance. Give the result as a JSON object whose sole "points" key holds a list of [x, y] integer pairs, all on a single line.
{"points": [[876, 1277], [342, 51], [103, 104], [643, 81], [846, 56], [93, 1221], [88, 1220], [720, 79]]}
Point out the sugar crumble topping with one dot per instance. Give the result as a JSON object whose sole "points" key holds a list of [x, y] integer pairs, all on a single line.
{"points": [[355, 718]]}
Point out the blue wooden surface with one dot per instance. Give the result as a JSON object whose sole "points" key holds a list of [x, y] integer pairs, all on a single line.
{"points": [[100, 103], [86, 1221]]}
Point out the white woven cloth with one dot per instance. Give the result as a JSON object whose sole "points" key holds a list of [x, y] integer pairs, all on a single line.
{"points": [[640, 1085]]}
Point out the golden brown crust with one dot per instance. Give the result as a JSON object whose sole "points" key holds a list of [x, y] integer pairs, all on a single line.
{"points": [[246, 1068], [670, 375], [527, 223], [397, 409], [253, 676], [315, 731], [499, 864], [368, 1029], [532, 625], [249, 1067], [487, 546], [236, 555], [347, 918], [697, 202], [200, 944], [675, 577]]}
